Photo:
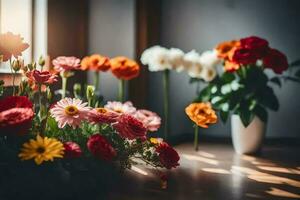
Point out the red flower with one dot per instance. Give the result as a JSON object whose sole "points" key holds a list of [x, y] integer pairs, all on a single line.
{"points": [[101, 148], [258, 46], [276, 61], [244, 56], [16, 115], [41, 77], [15, 102], [168, 156], [130, 127], [16, 121], [72, 150]]}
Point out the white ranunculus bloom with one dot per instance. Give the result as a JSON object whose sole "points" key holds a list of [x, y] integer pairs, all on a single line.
{"points": [[176, 59], [209, 59], [192, 64], [208, 74], [157, 58]]}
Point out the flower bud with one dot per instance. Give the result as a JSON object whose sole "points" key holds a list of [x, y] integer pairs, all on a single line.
{"points": [[41, 61], [16, 65], [49, 94], [90, 92], [77, 90]]}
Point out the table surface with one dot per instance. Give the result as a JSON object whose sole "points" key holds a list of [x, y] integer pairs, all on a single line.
{"points": [[216, 172]]}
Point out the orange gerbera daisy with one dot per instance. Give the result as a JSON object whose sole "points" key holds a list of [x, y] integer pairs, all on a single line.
{"points": [[95, 62], [11, 45], [124, 68], [224, 48], [201, 113]]}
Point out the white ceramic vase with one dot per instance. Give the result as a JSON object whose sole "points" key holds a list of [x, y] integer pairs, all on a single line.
{"points": [[247, 140]]}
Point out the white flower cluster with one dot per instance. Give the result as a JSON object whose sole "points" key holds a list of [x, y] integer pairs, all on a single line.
{"points": [[197, 66]]}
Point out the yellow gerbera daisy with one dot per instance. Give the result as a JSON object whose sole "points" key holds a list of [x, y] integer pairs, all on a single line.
{"points": [[42, 149]]}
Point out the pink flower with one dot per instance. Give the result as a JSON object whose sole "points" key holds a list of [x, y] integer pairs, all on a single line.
{"points": [[121, 108], [72, 150], [101, 148], [102, 116], [150, 119], [70, 111], [63, 63], [129, 127]]}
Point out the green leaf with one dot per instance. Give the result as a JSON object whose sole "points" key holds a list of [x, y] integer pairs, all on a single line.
{"points": [[267, 98], [295, 63], [205, 94], [246, 117], [224, 116], [261, 112], [276, 81], [297, 74], [227, 77]]}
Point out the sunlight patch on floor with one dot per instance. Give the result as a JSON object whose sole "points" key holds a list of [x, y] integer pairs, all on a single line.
{"points": [[282, 193], [200, 159]]}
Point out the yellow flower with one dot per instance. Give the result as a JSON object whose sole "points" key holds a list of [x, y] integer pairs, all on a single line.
{"points": [[42, 149], [156, 140], [202, 114]]}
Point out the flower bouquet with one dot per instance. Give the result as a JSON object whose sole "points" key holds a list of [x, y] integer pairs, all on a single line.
{"points": [[78, 137], [244, 88]]}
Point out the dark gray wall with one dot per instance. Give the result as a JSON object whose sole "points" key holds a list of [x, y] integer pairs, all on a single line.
{"points": [[111, 33], [201, 24]]}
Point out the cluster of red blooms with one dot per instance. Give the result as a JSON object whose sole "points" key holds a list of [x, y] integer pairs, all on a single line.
{"points": [[247, 51]]}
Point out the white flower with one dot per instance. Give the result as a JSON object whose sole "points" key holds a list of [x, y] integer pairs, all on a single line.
{"points": [[208, 74], [157, 58], [192, 64], [176, 59], [119, 107], [209, 59]]}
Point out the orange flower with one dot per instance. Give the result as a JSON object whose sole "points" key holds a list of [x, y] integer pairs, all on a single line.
{"points": [[11, 45], [226, 47], [85, 63], [95, 62], [230, 66], [124, 68], [201, 113]]}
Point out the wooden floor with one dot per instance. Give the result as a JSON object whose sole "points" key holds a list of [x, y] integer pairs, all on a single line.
{"points": [[216, 172]]}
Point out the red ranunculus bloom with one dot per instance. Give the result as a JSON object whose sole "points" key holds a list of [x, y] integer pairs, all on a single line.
{"points": [[168, 156], [16, 115], [244, 56], [43, 77], [15, 102], [129, 127], [101, 148], [16, 121], [72, 150], [258, 46], [276, 61]]}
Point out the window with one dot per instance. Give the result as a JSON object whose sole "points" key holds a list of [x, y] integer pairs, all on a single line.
{"points": [[17, 17]]}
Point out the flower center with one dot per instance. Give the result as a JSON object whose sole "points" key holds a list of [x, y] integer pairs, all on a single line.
{"points": [[118, 110], [71, 110], [101, 110], [40, 150]]}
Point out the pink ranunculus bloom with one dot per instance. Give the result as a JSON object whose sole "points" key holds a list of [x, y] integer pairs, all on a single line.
{"points": [[121, 108], [41, 77], [150, 119], [103, 116], [70, 112], [64, 63], [129, 127], [72, 150]]}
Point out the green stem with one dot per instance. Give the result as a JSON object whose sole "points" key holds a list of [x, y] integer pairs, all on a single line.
{"points": [[96, 80], [40, 106], [196, 133], [121, 96], [166, 85], [13, 74], [64, 86]]}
